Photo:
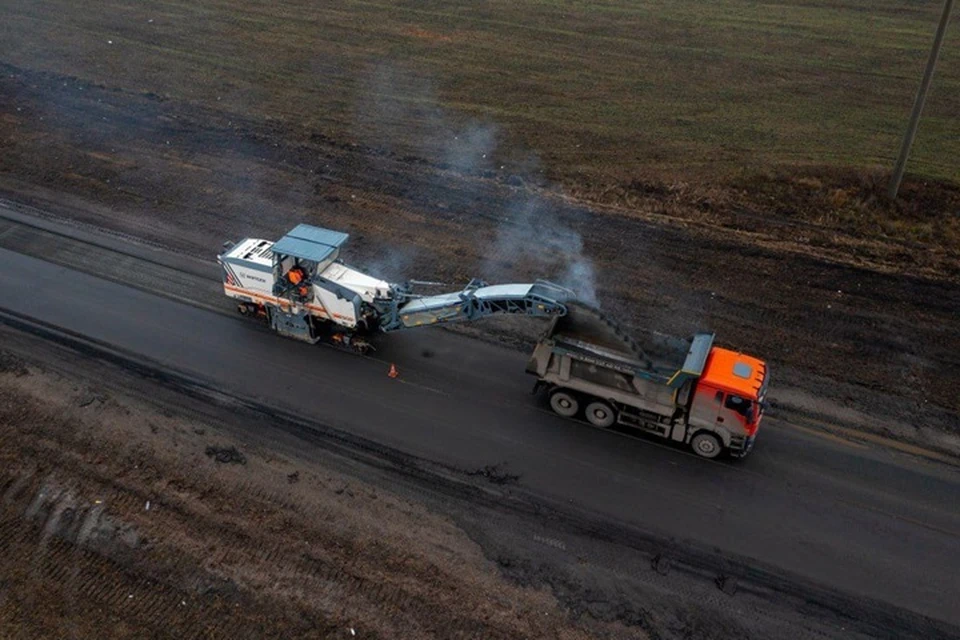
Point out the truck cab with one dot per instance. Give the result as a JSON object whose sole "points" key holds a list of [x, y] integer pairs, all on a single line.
{"points": [[728, 401]]}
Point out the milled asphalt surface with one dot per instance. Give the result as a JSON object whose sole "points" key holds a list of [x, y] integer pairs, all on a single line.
{"points": [[862, 519]]}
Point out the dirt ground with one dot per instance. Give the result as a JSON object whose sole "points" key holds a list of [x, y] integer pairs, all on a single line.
{"points": [[858, 324], [118, 520]]}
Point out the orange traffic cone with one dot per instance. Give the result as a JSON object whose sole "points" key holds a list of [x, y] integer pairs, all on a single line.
{"points": [[393, 373]]}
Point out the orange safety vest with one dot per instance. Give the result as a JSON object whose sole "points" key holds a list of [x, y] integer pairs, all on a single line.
{"points": [[295, 275]]}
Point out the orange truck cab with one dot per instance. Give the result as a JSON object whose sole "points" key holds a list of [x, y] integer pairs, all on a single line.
{"points": [[729, 397]]}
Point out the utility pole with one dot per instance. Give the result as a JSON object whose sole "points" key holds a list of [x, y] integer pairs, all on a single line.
{"points": [[908, 137]]}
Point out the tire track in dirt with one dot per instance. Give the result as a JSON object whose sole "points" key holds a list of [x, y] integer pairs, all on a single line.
{"points": [[71, 553]]}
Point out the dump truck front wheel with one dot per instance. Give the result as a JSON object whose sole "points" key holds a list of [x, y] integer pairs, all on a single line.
{"points": [[706, 445], [564, 403], [600, 414]]}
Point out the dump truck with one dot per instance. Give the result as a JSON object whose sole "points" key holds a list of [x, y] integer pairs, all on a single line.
{"points": [[686, 391]]}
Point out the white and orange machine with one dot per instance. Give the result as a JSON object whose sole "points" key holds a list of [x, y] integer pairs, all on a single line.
{"points": [[303, 288]]}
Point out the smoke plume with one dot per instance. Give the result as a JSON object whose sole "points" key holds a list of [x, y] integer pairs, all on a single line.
{"points": [[532, 235]]}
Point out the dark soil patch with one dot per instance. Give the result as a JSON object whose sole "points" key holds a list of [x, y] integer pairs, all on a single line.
{"points": [[9, 363], [495, 474], [225, 455], [926, 212]]}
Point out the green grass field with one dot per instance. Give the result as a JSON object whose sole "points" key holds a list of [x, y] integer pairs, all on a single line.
{"points": [[603, 89]]}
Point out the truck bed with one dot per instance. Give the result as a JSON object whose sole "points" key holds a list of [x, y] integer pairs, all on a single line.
{"points": [[586, 328]]}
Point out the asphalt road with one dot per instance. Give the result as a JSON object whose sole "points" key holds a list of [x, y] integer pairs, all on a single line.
{"points": [[862, 519]]}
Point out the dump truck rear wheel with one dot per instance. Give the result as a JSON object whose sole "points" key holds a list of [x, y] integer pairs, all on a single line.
{"points": [[706, 445], [564, 403], [600, 414]]}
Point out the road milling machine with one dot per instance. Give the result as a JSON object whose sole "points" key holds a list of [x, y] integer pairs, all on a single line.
{"points": [[300, 285]]}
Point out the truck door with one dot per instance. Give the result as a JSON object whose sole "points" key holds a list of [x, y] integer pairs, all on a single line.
{"points": [[715, 409], [732, 412]]}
